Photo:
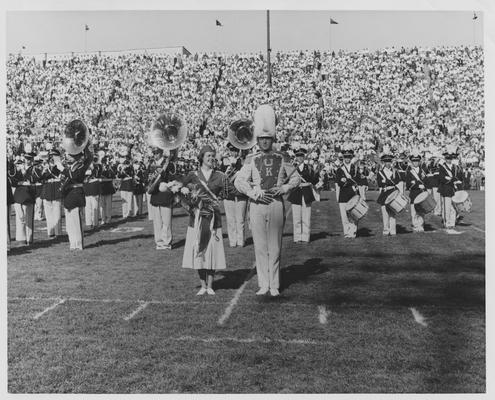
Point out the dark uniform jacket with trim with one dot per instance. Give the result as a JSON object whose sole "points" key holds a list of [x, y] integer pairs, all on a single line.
{"points": [[126, 173], [347, 184], [386, 184], [74, 174], [401, 168], [10, 174], [92, 184], [233, 193], [215, 184], [51, 185], [414, 179], [107, 175], [140, 180], [38, 180], [162, 199], [447, 178], [296, 195], [362, 173], [432, 173], [25, 192]]}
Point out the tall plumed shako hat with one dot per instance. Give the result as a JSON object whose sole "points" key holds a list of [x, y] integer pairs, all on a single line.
{"points": [[265, 122]]}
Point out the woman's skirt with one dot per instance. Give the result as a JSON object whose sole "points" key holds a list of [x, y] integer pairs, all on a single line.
{"points": [[212, 258]]}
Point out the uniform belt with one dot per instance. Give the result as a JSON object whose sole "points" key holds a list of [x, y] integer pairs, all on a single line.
{"points": [[276, 198], [126, 179], [53, 180], [37, 184], [105, 180], [93, 180], [25, 183], [76, 185]]}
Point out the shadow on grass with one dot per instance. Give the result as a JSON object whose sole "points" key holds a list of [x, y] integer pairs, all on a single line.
{"points": [[300, 273], [364, 232], [233, 279], [401, 229], [119, 240]]}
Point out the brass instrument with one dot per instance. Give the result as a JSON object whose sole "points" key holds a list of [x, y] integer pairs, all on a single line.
{"points": [[241, 134], [76, 137], [168, 133]]}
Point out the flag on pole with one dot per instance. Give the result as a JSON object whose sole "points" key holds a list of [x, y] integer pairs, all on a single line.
{"points": [[475, 16], [218, 23], [333, 22], [86, 27]]}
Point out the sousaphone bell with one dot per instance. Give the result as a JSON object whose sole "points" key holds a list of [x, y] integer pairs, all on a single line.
{"points": [[241, 134], [168, 132], [76, 137]]}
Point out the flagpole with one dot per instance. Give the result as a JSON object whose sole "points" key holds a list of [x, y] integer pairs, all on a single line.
{"points": [[268, 50], [85, 39]]}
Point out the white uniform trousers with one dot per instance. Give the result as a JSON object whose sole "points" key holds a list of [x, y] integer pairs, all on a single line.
{"points": [[337, 192], [137, 204], [92, 210], [24, 222], [301, 221], [362, 191], [449, 213], [389, 222], [235, 213], [74, 227], [53, 212], [417, 220], [38, 209], [105, 208], [8, 226], [127, 203], [162, 225], [150, 207], [349, 226], [436, 197], [267, 225]]}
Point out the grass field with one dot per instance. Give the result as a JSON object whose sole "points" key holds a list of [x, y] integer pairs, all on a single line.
{"points": [[400, 314]]}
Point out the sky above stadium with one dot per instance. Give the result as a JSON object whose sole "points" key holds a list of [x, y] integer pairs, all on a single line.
{"points": [[241, 31]]}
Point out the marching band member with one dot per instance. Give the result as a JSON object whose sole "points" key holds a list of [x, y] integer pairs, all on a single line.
{"points": [[106, 189], [235, 205], [432, 182], [10, 196], [362, 174], [262, 179], [401, 166], [449, 181], [139, 186], [162, 202], [415, 178], [24, 197], [52, 196], [346, 179], [92, 192], [387, 180], [125, 172], [204, 250], [38, 186], [339, 161], [302, 197], [73, 175], [149, 162]]}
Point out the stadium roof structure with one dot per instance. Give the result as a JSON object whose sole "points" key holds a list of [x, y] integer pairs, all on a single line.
{"points": [[167, 51]]}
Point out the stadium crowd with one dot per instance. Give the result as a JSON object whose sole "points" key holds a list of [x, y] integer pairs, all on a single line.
{"points": [[405, 99]]}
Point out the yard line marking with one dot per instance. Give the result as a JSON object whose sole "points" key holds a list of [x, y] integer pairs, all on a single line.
{"points": [[418, 317], [141, 307], [323, 314], [60, 301], [478, 229], [236, 297], [250, 340]]}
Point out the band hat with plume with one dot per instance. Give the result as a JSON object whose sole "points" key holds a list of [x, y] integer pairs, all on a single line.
{"points": [[264, 122], [415, 155]]}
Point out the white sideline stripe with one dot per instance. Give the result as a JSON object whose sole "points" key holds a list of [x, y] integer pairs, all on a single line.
{"points": [[418, 317], [141, 307], [235, 299], [250, 340], [323, 314], [478, 229], [60, 301]]}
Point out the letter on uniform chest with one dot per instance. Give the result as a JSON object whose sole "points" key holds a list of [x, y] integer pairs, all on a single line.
{"points": [[269, 168]]}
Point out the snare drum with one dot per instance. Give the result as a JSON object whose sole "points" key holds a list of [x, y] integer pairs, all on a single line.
{"points": [[424, 203], [461, 201], [396, 202], [357, 207]]}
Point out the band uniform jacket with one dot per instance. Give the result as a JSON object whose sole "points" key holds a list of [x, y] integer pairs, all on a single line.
{"points": [[140, 180], [51, 185], [432, 173], [266, 171], [25, 192], [10, 173], [309, 175], [401, 168], [346, 179], [162, 199], [107, 175], [73, 177], [126, 173], [216, 186], [386, 178], [92, 184], [37, 180], [447, 176], [362, 174], [415, 178], [233, 193]]}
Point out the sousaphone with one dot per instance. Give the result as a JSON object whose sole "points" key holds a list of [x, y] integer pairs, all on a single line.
{"points": [[76, 137], [241, 134], [168, 132]]}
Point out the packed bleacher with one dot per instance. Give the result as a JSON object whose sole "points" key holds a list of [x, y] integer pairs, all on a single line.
{"points": [[406, 99]]}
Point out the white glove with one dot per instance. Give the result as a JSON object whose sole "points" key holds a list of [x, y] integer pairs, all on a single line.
{"points": [[421, 186], [163, 187]]}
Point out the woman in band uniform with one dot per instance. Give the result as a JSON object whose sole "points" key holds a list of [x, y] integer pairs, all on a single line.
{"points": [[387, 179]]}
